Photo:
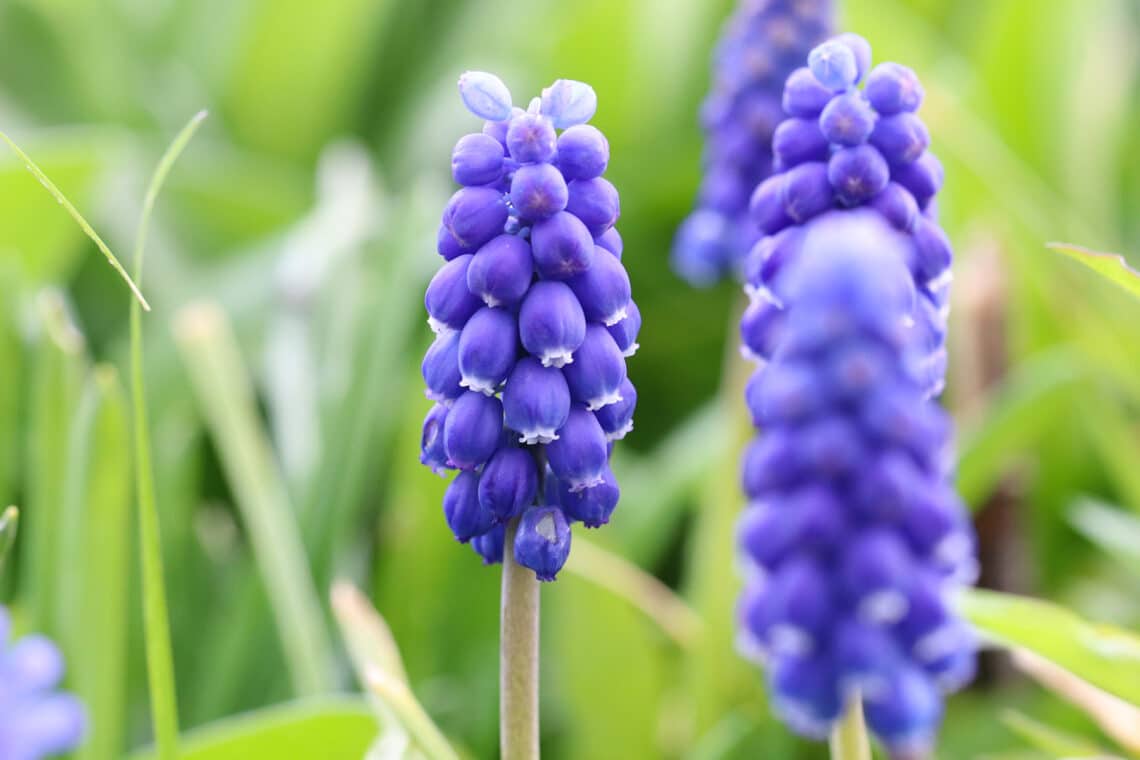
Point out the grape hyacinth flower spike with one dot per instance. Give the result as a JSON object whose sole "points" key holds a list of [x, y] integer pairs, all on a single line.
{"points": [[853, 537], [534, 322], [36, 720], [761, 44]]}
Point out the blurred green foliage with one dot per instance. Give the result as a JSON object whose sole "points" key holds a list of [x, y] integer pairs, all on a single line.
{"points": [[304, 215]]}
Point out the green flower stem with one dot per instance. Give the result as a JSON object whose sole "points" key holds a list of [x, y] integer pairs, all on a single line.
{"points": [[849, 738], [518, 657]]}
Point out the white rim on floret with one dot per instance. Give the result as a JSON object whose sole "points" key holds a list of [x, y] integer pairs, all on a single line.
{"points": [[885, 606], [582, 485], [538, 435], [604, 400], [616, 317], [790, 640], [491, 301], [439, 328], [868, 685], [939, 643], [556, 357], [621, 432], [479, 384], [800, 716], [631, 350], [750, 647]]}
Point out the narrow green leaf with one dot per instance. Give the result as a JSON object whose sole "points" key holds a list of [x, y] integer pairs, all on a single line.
{"points": [[97, 533], [225, 394], [83, 224], [156, 619], [9, 524], [335, 728], [411, 714], [1104, 656], [59, 365], [1112, 266], [1054, 742], [371, 644]]}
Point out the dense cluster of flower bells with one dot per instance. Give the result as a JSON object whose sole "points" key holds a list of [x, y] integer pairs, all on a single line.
{"points": [[853, 535], [534, 321], [36, 720], [762, 43]]}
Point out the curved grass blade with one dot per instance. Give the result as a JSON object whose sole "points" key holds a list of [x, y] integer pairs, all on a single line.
{"points": [[1048, 739], [160, 659], [9, 523], [1112, 266], [411, 714], [83, 224]]}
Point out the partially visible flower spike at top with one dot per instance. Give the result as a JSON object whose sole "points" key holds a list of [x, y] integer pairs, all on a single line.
{"points": [[534, 321], [853, 536], [36, 721], [763, 42], [843, 147]]}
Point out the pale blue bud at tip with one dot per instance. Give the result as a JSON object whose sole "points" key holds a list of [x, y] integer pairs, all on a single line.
{"points": [[568, 103], [485, 95], [833, 63]]}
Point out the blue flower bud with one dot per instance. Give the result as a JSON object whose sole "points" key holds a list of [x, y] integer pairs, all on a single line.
{"points": [[897, 206], [893, 88], [489, 546], [472, 430], [901, 138], [485, 95], [562, 246], [578, 456], [448, 301], [569, 103], [583, 152], [858, 174], [805, 694], [432, 452], [770, 462], [501, 271], [603, 290], [862, 50], [797, 141], [834, 65], [923, 178], [447, 246], [906, 713], [625, 330], [531, 139], [617, 419], [847, 120], [704, 245], [611, 241], [804, 96], [465, 516], [440, 368], [488, 346], [551, 323], [876, 567], [474, 215], [591, 506], [766, 206], [785, 392], [498, 129], [806, 191], [865, 655], [759, 329], [542, 542], [538, 191], [595, 202], [598, 370], [803, 608], [477, 160], [509, 483], [536, 401]]}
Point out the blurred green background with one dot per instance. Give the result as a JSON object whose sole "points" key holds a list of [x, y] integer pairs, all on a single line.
{"points": [[300, 226]]}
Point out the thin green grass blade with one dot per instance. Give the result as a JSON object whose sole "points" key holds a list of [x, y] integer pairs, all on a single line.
{"points": [[97, 538], [225, 394], [160, 659], [9, 524], [1048, 739], [83, 224], [59, 365], [1111, 266]]}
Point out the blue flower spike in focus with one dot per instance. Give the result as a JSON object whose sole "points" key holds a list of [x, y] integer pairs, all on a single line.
{"points": [[36, 720], [853, 538], [762, 43], [534, 321]]}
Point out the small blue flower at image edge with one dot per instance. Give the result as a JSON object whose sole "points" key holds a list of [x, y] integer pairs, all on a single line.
{"points": [[534, 320], [36, 719]]}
